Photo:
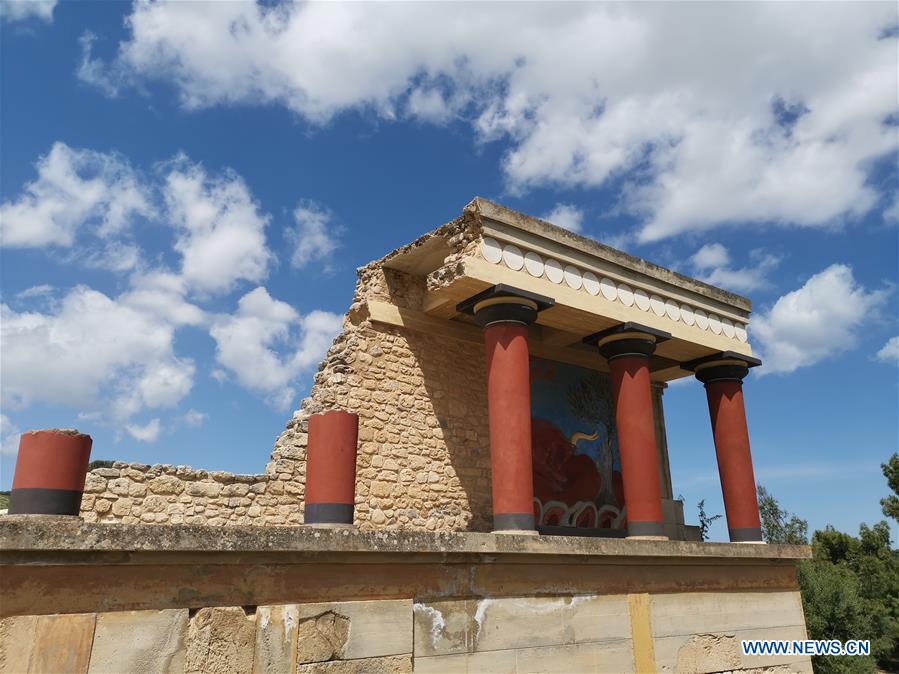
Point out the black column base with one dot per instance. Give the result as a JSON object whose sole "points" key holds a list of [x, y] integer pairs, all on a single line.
{"points": [[36, 501], [645, 529], [749, 535], [328, 513], [514, 522]]}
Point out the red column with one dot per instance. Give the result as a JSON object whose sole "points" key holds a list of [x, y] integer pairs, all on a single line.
{"points": [[505, 314], [509, 409], [724, 389], [331, 468], [637, 445], [50, 471], [628, 347]]}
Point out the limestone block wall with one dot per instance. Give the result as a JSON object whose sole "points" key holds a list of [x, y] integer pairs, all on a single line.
{"points": [[81, 597], [688, 633]]}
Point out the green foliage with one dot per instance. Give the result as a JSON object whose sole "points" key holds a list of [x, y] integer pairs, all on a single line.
{"points": [[890, 504], [4, 500], [850, 589], [875, 567], [100, 463], [834, 609], [778, 525], [705, 520]]}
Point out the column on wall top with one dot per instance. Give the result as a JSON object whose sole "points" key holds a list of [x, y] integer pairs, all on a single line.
{"points": [[505, 314], [723, 374], [628, 348]]}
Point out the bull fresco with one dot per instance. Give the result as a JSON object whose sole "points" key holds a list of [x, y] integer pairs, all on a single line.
{"points": [[577, 469]]}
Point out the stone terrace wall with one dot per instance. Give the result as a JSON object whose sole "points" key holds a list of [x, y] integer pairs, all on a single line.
{"points": [[423, 459]]}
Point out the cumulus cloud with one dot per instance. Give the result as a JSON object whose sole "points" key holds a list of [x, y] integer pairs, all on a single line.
{"points": [[94, 353], [74, 189], [788, 141], [567, 216], [254, 343], [314, 237], [711, 255], [712, 264], [9, 436], [815, 322], [221, 229], [193, 418], [149, 432], [889, 353], [19, 10]]}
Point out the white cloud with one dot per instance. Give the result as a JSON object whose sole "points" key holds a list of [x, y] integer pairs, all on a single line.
{"points": [[711, 264], [42, 290], [74, 188], [221, 230], [253, 343], [19, 10], [891, 214], [194, 418], [9, 436], [93, 71], [93, 353], [815, 322], [889, 353], [566, 216], [649, 87], [314, 236], [149, 432], [709, 256], [161, 294]]}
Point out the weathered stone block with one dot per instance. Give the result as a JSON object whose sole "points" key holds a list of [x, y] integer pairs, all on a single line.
{"points": [[95, 484], [375, 628], [16, 639], [221, 641], [140, 641], [166, 484], [276, 639], [62, 643], [470, 625]]}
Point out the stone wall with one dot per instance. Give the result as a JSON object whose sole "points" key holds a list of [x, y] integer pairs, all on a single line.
{"points": [[80, 597]]}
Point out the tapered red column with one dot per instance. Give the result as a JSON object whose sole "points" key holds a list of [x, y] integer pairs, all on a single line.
{"points": [[723, 381], [628, 349], [331, 468], [509, 410], [505, 314]]}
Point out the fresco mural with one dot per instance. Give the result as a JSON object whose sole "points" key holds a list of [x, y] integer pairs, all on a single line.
{"points": [[577, 469]]}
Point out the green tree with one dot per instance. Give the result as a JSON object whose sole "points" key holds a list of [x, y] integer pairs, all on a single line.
{"points": [[778, 525], [834, 609], [890, 504], [875, 566]]}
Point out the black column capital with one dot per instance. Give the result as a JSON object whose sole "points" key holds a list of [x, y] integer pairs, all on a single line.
{"points": [[723, 366], [627, 339], [505, 304]]}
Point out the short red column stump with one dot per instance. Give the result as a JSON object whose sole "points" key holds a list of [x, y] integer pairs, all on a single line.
{"points": [[50, 471], [331, 468]]}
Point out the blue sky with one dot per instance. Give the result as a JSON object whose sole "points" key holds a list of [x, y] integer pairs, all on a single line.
{"points": [[187, 190]]}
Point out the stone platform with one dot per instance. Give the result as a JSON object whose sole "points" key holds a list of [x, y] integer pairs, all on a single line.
{"points": [[92, 597]]}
